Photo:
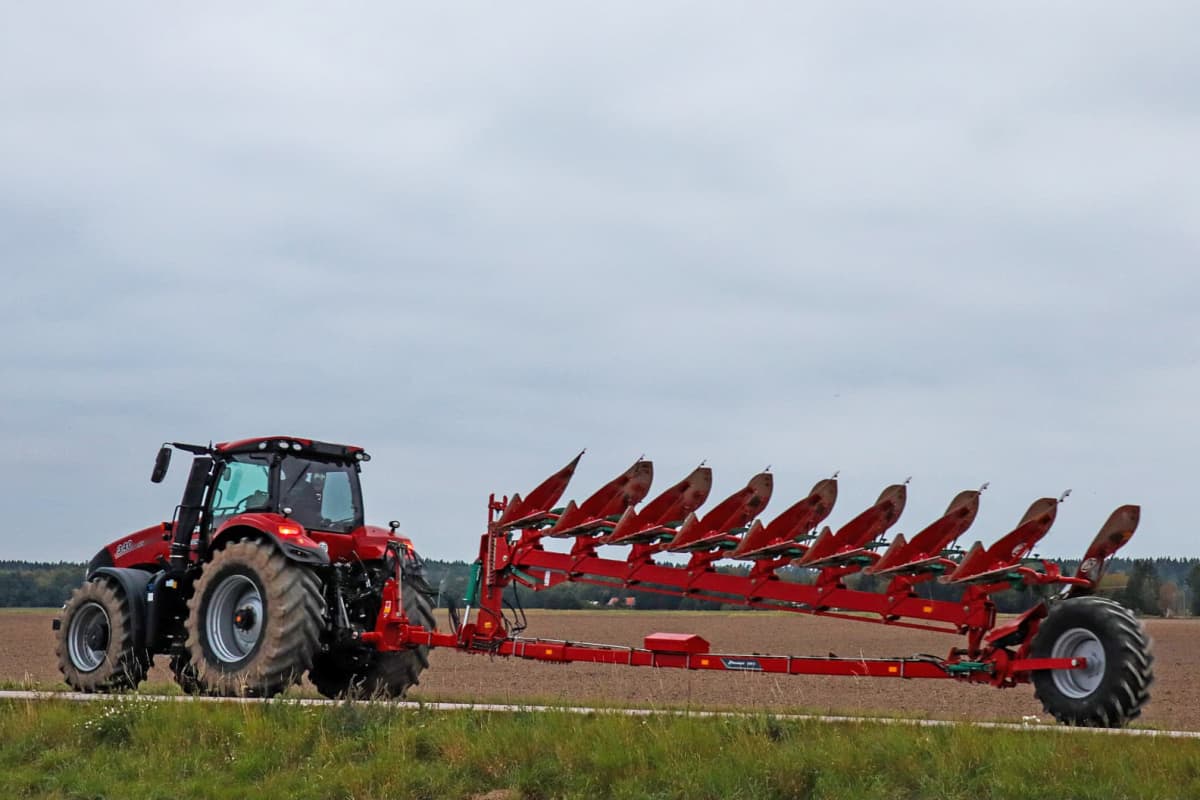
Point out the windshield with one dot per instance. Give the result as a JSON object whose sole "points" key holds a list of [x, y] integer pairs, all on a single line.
{"points": [[321, 495], [243, 485]]}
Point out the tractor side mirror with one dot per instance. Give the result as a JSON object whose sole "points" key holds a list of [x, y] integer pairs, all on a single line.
{"points": [[161, 462]]}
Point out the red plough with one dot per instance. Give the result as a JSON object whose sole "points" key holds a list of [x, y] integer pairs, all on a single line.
{"points": [[1087, 657]]}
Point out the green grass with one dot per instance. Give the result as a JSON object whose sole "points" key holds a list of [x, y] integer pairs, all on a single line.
{"points": [[532, 699], [136, 749]]}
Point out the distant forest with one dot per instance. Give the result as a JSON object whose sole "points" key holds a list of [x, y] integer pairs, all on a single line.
{"points": [[1156, 586]]}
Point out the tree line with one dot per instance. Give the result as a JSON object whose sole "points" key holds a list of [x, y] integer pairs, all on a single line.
{"points": [[1153, 586]]}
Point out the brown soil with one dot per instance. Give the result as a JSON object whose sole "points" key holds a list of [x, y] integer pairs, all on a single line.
{"points": [[27, 654]]}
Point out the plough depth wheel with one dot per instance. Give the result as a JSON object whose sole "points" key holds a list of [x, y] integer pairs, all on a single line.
{"points": [[1115, 685]]}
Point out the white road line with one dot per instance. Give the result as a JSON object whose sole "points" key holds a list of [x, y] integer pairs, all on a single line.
{"points": [[629, 712]]}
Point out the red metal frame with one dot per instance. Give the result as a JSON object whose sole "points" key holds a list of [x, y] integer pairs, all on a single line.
{"points": [[512, 551]]}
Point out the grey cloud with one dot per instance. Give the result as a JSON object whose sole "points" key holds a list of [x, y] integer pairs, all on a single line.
{"points": [[891, 241]]}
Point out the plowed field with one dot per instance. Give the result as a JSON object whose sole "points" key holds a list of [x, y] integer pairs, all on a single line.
{"points": [[27, 654]]}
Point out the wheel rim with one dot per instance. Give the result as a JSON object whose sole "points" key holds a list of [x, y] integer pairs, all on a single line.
{"points": [[234, 623], [1079, 643], [87, 637]]}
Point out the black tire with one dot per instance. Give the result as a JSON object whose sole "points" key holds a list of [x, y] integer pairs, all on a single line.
{"points": [[368, 674], [96, 651], [185, 674], [254, 622], [1113, 688]]}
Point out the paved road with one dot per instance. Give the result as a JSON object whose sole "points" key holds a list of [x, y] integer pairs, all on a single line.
{"points": [[633, 712]]}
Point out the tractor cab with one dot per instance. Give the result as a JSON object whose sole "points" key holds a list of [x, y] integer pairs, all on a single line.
{"points": [[318, 493], [291, 481]]}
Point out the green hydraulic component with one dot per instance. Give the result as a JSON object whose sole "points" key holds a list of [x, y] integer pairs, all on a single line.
{"points": [[968, 667], [473, 584], [525, 576]]}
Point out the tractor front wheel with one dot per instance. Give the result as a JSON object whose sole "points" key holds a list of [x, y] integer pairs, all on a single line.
{"points": [[369, 674], [96, 651], [1111, 690], [254, 622]]}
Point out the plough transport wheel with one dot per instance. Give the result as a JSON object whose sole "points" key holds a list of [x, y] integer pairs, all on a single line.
{"points": [[375, 675], [1115, 685]]}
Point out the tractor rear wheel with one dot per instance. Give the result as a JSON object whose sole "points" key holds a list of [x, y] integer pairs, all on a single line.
{"points": [[1111, 690], [254, 622], [96, 651], [185, 674], [371, 674]]}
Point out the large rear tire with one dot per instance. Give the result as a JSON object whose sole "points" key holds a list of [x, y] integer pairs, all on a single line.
{"points": [[369, 674], [185, 674], [96, 650], [254, 622], [1114, 686]]}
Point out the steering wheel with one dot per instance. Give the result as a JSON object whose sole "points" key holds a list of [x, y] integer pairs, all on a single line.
{"points": [[245, 505]]}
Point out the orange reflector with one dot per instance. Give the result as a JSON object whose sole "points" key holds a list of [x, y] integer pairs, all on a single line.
{"points": [[289, 530], [893, 670], [487, 625], [927, 609], [387, 608], [549, 652], [704, 662]]}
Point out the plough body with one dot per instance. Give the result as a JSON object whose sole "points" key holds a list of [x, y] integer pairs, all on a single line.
{"points": [[513, 552]]}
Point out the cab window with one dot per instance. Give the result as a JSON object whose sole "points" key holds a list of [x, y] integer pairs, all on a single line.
{"points": [[322, 496], [243, 485]]}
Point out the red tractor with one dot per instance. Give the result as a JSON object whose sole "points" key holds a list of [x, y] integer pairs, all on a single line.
{"points": [[268, 572]]}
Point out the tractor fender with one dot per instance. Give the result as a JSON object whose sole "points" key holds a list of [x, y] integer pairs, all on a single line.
{"points": [[294, 547], [133, 583]]}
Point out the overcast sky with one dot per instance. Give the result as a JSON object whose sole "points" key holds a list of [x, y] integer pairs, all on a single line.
{"points": [[893, 240]]}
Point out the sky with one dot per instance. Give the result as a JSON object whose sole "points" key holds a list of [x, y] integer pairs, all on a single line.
{"points": [[888, 239]]}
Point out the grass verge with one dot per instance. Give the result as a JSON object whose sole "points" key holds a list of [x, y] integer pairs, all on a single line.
{"points": [[136, 749]]}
